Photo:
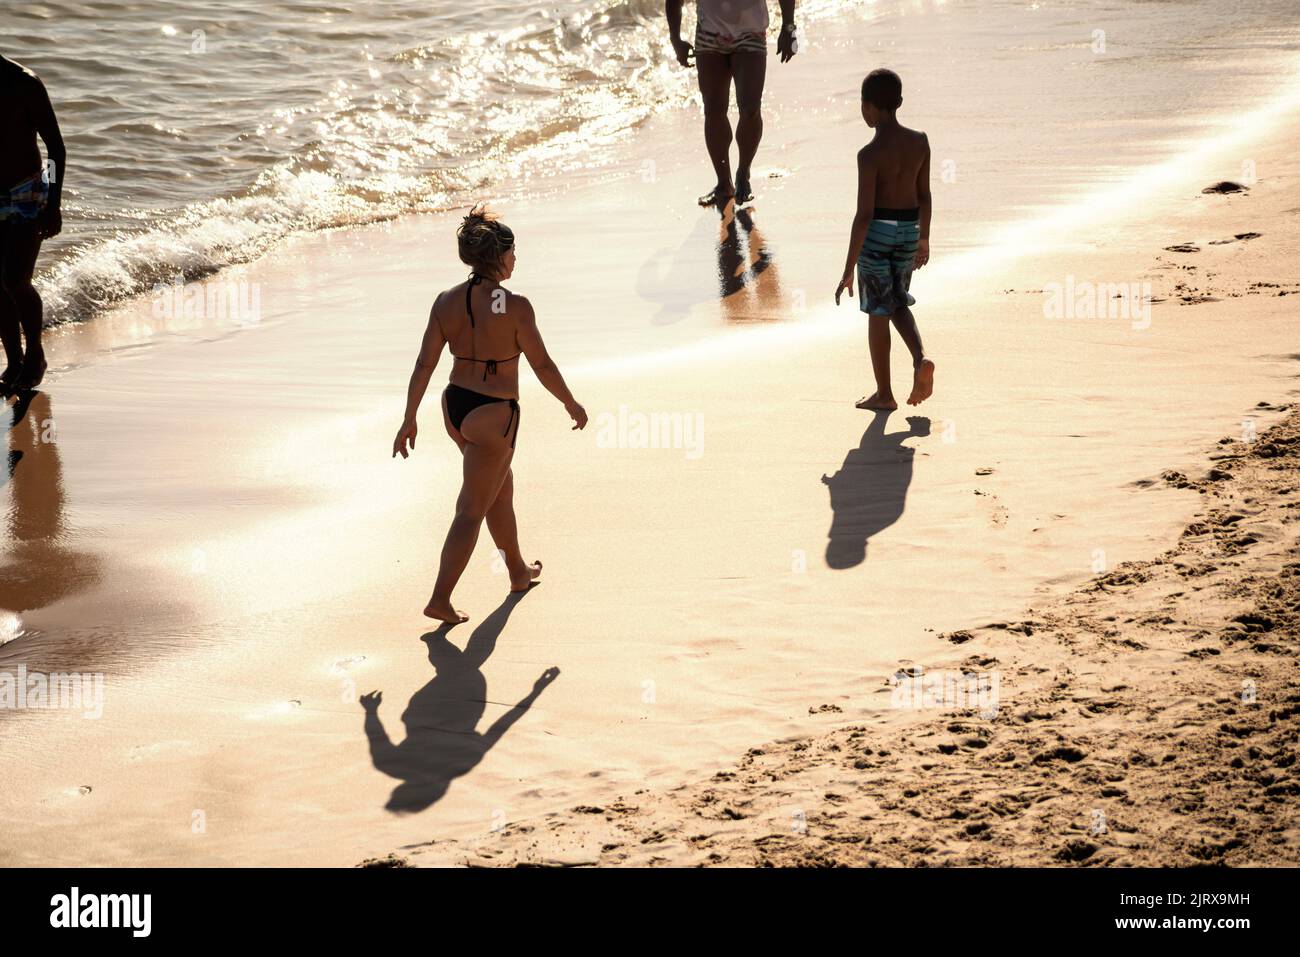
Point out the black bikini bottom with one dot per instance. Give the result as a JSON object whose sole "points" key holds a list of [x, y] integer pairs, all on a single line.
{"points": [[461, 402]]}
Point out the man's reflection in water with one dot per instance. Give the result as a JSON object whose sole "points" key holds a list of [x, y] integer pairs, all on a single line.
{"points": [[37, 568], [744, 278], [748, 283]]}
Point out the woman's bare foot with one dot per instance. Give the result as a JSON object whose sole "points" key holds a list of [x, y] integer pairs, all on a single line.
{"points": [[875, 401], [442, 611], [922, 382], [524, 580]]}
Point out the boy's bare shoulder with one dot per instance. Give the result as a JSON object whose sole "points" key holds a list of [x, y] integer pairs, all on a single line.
{"points": [[917, 135]]}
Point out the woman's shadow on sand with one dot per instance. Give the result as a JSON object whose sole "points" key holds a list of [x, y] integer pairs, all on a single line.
{"points": [[442, 742], [869, 491]]}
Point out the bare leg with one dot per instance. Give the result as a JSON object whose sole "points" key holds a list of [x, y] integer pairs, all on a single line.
{"points": [[21, 303], [922, 368], [13, 341], [905, 323], [878, 339], [487, 455], [505, 535], [750, 71], [714, 74]]}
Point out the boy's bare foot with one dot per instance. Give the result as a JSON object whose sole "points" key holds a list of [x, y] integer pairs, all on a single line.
{"points": [[525, 581], [442, 611], [922, 382], [874, 401]]}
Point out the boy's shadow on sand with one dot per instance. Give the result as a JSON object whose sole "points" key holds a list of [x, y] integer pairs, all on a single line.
{"points": [[442, 742], [869, 491]]}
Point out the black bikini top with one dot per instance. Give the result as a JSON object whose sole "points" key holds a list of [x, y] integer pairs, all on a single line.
{"points": [[489, 365]]}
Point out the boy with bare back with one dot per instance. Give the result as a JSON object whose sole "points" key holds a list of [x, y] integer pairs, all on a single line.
{"points": [[890, 236]]}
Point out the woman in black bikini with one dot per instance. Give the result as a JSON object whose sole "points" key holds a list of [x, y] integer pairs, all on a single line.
{"points": [[479, 319]]}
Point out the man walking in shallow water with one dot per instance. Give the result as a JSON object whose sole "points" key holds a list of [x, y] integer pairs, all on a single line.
{"points": [[731, 45], [29, 212]]}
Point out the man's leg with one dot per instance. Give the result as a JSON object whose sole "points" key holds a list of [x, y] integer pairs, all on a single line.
{"points": [[21, 244], [10, 329], [750, 71], [714, 72]]}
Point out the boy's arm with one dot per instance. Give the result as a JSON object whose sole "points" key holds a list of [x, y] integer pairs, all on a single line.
{"points": [[861, 219], [47, 125], [923, 195]]}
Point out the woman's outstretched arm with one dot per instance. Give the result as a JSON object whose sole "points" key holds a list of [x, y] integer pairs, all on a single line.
{"points": [[530, 341], [430, 352]]}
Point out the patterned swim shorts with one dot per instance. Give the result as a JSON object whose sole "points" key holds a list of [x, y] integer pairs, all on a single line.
{"points": [[885, 264], [26, 201], [710, 41]]}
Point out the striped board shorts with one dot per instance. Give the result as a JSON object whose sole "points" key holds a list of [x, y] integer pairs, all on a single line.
{"points": [[710, 41], [885, 262]]}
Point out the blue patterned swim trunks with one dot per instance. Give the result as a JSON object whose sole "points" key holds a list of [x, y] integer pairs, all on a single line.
{"points": [[885, 262], [24, 202]]}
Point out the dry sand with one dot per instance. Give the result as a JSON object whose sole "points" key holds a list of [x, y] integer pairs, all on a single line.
{"points": [[248, 559], [1149, 718]]}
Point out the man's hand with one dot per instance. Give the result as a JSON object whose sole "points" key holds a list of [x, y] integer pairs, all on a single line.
{"points": [[50, 222], [683, 51], [405, 436], [578, 414], [922, 254], [785, 43], [846, 285]]}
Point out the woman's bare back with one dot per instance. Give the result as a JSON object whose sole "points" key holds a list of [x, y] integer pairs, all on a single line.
{"points": [[492, 340]]}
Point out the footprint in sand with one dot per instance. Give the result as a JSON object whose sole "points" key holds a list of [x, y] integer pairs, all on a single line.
{"points": [[69, 794], [145, 752], [1225, 186], [1237, 238], [277, 710], [339, 667]]}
